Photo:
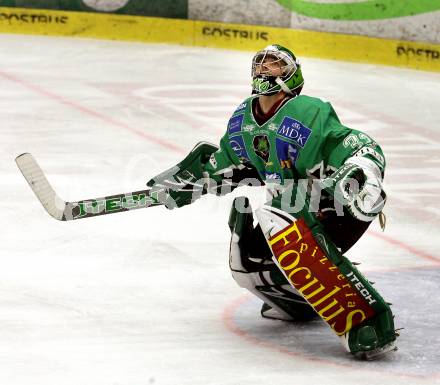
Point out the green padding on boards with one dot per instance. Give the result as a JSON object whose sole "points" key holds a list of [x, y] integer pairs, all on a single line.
{"points": [[364, 10]]}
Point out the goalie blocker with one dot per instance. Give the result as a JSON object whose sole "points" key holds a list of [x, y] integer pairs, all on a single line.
{"points": [[317, 273]]}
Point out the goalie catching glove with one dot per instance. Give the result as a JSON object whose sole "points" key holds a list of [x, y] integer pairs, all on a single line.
{"points": [[357, 185], [191, 178], [184, 183]]}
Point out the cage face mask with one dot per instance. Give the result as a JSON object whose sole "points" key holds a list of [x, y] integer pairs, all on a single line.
{"points": [[276, 69]]}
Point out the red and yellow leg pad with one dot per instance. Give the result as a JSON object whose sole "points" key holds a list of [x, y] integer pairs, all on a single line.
{"points": [[330, 283], [319, 280]]}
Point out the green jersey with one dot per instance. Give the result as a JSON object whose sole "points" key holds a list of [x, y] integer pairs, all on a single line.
{"points": [[304, 139]]}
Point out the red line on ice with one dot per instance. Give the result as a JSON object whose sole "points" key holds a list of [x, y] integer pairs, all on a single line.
{"points": [[228, 318], [404, 246], [95, 114]]}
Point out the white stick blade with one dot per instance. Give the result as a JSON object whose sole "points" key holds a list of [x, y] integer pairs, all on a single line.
{"points": [[40, 185]]}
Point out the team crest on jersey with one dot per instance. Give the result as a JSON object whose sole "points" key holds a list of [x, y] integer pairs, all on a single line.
{"points": [[237, 145], [293, 130], [235, 123], [262, 147]]}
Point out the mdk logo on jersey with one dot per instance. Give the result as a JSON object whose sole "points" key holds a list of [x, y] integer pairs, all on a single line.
{"points": [[294, 130], [320, 281]]}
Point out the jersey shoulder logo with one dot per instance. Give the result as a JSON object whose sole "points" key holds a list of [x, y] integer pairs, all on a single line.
{"points": [[235, 123], [294, 130]]}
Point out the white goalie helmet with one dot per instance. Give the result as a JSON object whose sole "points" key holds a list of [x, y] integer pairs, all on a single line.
{"points": [[288, 76]]}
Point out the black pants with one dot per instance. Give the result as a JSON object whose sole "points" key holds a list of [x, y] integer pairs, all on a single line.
{"points": [[344, 230]]}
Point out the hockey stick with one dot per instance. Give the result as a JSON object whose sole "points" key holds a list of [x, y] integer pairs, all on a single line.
{"points": [[67, 211]]}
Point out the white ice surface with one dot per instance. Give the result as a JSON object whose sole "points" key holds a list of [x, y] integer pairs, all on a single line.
{"points": [[146, 297]]}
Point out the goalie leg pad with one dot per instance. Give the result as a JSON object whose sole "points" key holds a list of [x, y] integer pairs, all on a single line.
{"points": [[328, 281], [250, 261]]}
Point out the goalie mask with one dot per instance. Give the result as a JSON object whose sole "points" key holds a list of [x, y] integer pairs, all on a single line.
{"points": [[276, 69]]}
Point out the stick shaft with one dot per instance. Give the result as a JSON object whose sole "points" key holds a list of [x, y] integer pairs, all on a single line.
{"points": [[67, 211], [109, 205]]}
